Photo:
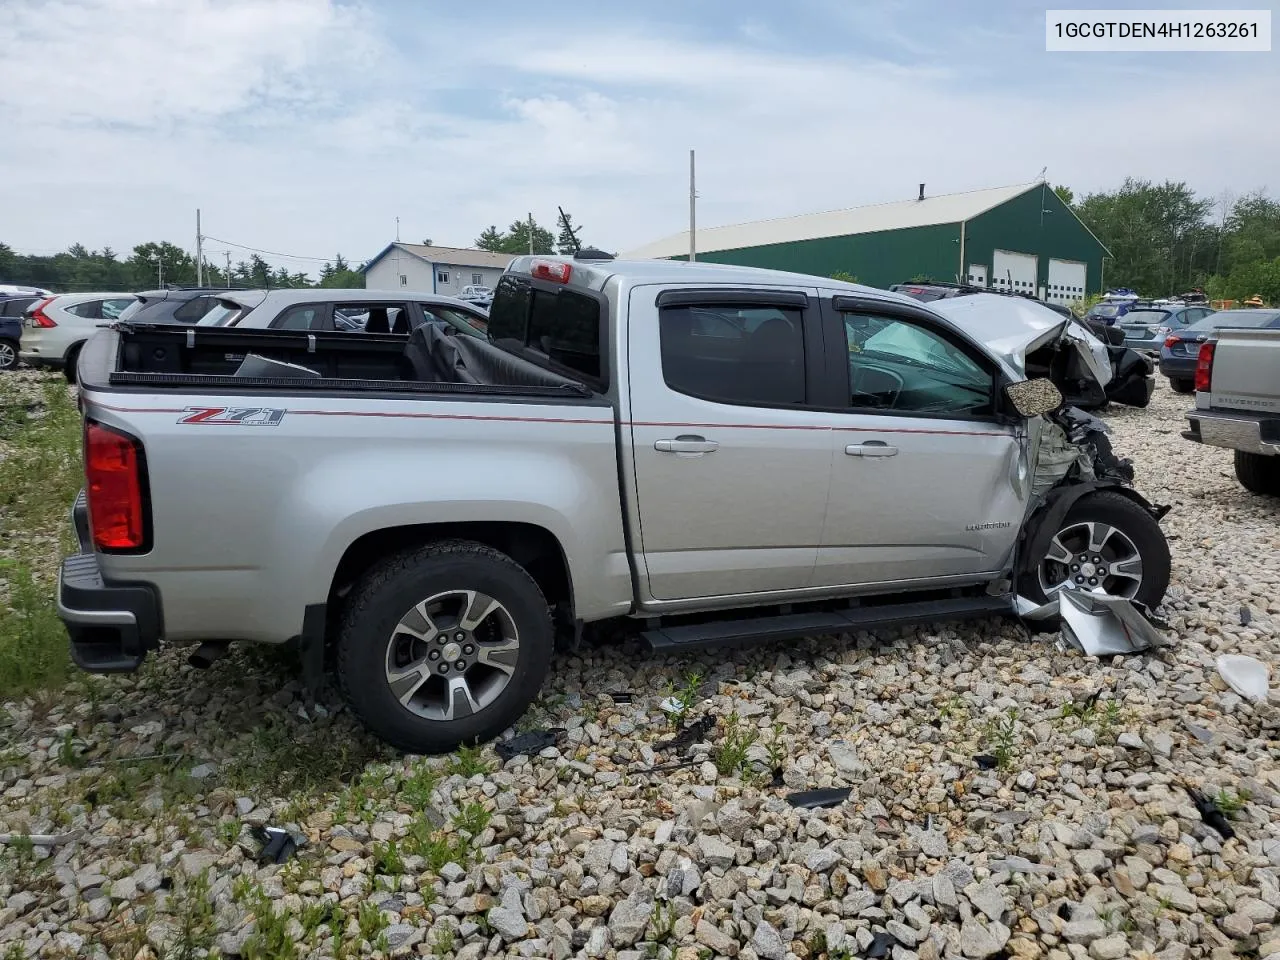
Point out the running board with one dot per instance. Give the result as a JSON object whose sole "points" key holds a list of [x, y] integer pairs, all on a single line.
{"points": [[792, 625]]}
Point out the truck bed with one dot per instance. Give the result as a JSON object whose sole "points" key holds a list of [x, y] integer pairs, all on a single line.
{"points": [[430, 361]]}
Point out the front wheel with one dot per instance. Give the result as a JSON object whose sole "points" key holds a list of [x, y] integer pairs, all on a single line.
{"points": [[444, 646], [1258, 473], [8, 354], [1107, 543], [1182, 385]]}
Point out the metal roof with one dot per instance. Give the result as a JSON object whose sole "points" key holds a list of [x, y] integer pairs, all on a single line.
{"points": [[451, 256], [945, 208]]}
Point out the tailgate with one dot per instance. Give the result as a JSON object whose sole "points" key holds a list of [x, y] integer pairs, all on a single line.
{"points": [[1246, 371]]}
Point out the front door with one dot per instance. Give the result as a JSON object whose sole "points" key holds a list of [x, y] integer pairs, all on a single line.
{"points": [[731, 462], [924, 481]]}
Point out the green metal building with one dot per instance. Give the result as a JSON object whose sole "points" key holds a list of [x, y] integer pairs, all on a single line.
{"points": [[1021, 238]]}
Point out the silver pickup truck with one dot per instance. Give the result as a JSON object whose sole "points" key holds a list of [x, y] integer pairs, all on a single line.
{"points": [[703, 454], [1237, 382]]}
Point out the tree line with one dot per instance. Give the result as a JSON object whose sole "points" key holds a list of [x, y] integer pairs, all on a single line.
{"points": [[1165, 239], [150, 264]]}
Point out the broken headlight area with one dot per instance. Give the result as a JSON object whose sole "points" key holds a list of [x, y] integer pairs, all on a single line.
{"points": [[1074, 447]]}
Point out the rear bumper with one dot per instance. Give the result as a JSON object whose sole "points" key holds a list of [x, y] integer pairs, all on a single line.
{"points": [[1183, 368], [112, 626], [1252, 433]]}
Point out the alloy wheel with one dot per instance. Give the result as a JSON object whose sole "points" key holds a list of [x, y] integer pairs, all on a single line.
{"points": [[1092, 556]]}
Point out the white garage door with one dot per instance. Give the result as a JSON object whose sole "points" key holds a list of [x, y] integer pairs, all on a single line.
{"points": [[1014, 272], [1066, 282]]}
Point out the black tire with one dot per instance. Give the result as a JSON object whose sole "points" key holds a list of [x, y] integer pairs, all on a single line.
{"points": [[1117, 510], [1182, 385], [72, 358], [8, 354], [394, 587], [1258, 473]]}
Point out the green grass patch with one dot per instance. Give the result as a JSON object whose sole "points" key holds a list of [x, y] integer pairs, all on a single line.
{"points": [[40, 473]]}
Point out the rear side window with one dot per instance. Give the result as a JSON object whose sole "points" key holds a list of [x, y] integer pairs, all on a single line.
{"points": [[90, 309], [114, 309], [552, 325], [194, 309], [734, 354], [15, 308], [304, 316]]}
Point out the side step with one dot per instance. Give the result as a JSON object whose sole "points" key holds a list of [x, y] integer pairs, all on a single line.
{"points": [[789, 626]]}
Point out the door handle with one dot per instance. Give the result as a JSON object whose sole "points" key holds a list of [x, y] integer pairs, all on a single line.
{"points": [[872, 448], [686, 443]]}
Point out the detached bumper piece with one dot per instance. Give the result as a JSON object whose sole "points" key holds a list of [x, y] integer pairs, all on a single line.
{"points": [[112, 626]]}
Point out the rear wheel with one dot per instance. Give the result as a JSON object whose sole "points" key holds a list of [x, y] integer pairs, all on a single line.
{"points": [[1182, 385], [8, 354], [443, 646], [1106, 544], [1258, 473], [73, 357]]}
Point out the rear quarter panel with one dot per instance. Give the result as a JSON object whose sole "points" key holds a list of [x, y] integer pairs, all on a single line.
{"points": [[250, 520]]}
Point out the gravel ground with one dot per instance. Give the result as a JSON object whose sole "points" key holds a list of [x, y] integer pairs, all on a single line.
{"points": [[145, 792]]}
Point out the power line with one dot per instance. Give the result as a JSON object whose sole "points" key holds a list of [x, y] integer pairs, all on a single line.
{"points": [[270, 253]]}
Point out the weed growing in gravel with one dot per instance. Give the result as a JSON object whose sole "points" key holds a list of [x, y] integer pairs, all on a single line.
{"points": [[663, 921], [67, 755], [387, 859], [229, 832], [954, 709], [1001, 735], [777, 749], [685, 698], [468, 761], [39, 476], [193, 907], [416, 788], [1104, 717], [15, 951], [730, 754], [443, 943], [819, 950], [1231, 803], [372, 922], [472, 819], [279, 758]]}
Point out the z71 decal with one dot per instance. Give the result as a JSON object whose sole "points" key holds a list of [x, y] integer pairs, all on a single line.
{"points": [[246, 416]]}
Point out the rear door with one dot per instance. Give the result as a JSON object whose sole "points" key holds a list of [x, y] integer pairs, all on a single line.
{"points": [[923, 475], [731, 458]]}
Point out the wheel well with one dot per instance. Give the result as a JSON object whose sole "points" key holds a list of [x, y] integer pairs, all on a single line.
{"points": [[535, 548]]}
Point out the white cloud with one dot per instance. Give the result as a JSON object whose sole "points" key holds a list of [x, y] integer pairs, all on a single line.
{"points": [[308, 126]]}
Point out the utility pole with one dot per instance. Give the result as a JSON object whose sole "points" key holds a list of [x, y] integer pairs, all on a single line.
{"points": [[397, 229], [228, 268], [159, 272], [199, 252], [531, 233], [693, 212]]}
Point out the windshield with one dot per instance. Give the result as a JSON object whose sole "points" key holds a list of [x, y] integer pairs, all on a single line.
{"points": [[1236, 318], [1103, 310], [221, 315], [1146, 316]]}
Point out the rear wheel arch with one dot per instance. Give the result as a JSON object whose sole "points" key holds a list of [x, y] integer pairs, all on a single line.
{"points": [[534, 548], [71, 358]]}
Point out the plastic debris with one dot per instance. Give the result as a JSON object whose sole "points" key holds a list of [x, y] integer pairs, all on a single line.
{"points": [[689, 735], [811, 799], [880, 946], [1210, 813], [985, 761], [278, 844], [1247, 676], [527, 744], [1246, 616], [1097, 623], [621, 696]]}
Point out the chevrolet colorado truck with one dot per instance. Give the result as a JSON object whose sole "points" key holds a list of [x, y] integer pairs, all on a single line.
{"points": [[1237, 383], [704, 454]]}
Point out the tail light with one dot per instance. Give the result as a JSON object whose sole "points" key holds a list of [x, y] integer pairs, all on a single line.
{"points": [[40, 318], [1204, 367], [1170, 342], [115, 469]]}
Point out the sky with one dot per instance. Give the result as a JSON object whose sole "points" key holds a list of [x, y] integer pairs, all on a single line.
{"points": [[306, 127]]}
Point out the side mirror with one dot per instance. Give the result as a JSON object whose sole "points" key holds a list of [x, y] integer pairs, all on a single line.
{"points": [[1032, 398]]}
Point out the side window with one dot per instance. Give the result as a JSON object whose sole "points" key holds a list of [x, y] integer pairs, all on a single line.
{"points": [[303, 316], [902, 366], [370, 318], [734, 354], [111, 309], [90, 309], [193, 309]]}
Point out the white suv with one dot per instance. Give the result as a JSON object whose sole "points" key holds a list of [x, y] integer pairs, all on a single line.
{"points": [[57, 327]]}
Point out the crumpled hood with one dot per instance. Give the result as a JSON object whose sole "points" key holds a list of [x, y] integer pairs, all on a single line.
{"points": [[1011, 327]]}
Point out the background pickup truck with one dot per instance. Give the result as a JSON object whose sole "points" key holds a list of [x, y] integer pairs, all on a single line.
{"points": [[705, 454], [1237, 382]]}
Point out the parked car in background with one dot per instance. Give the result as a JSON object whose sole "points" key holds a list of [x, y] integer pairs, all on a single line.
{"points": [[58, 326], [17, 290], [182, 304], [475, 293], [350, 311], [1181, 349], [1146, 327], [1237, 382], [12, 313]]}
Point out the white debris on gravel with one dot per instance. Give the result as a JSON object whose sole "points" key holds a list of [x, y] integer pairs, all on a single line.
{"points": [[1081, 843]]}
